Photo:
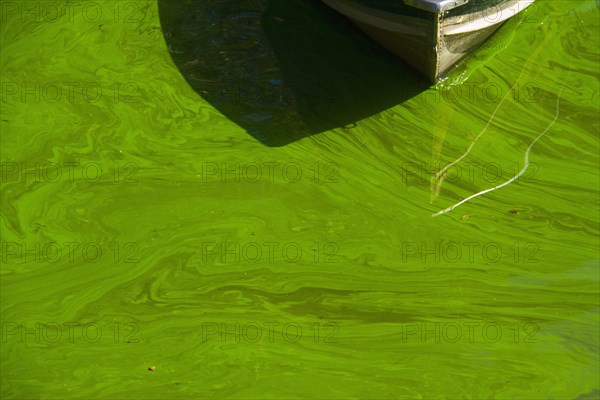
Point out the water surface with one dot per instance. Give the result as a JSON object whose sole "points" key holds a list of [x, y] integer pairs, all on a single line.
{"points": [[264, 213]]}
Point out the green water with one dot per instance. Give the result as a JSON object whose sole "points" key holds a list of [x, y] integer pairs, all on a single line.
{"points": [[161, 207]]}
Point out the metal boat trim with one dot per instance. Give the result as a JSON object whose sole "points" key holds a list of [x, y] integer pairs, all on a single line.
{"points": [[385, 20], [456, 25], [436, 6]]}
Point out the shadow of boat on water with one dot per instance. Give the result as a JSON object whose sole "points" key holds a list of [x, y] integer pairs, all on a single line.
{"points": [[283, 69]]}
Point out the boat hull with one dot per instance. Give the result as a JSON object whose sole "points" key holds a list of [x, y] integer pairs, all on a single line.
{"points": [[431, 42]]}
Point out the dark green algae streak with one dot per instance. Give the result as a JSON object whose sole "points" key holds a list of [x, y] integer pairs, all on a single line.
{"points": [[383, 301]]}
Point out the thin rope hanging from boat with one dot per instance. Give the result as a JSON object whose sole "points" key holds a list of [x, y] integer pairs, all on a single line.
{"points": [[525, 166]]}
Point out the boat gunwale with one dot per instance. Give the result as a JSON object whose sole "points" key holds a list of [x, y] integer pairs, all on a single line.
{"points": [[455, 26], [381, 19], [435, 32], [419, 27]]}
